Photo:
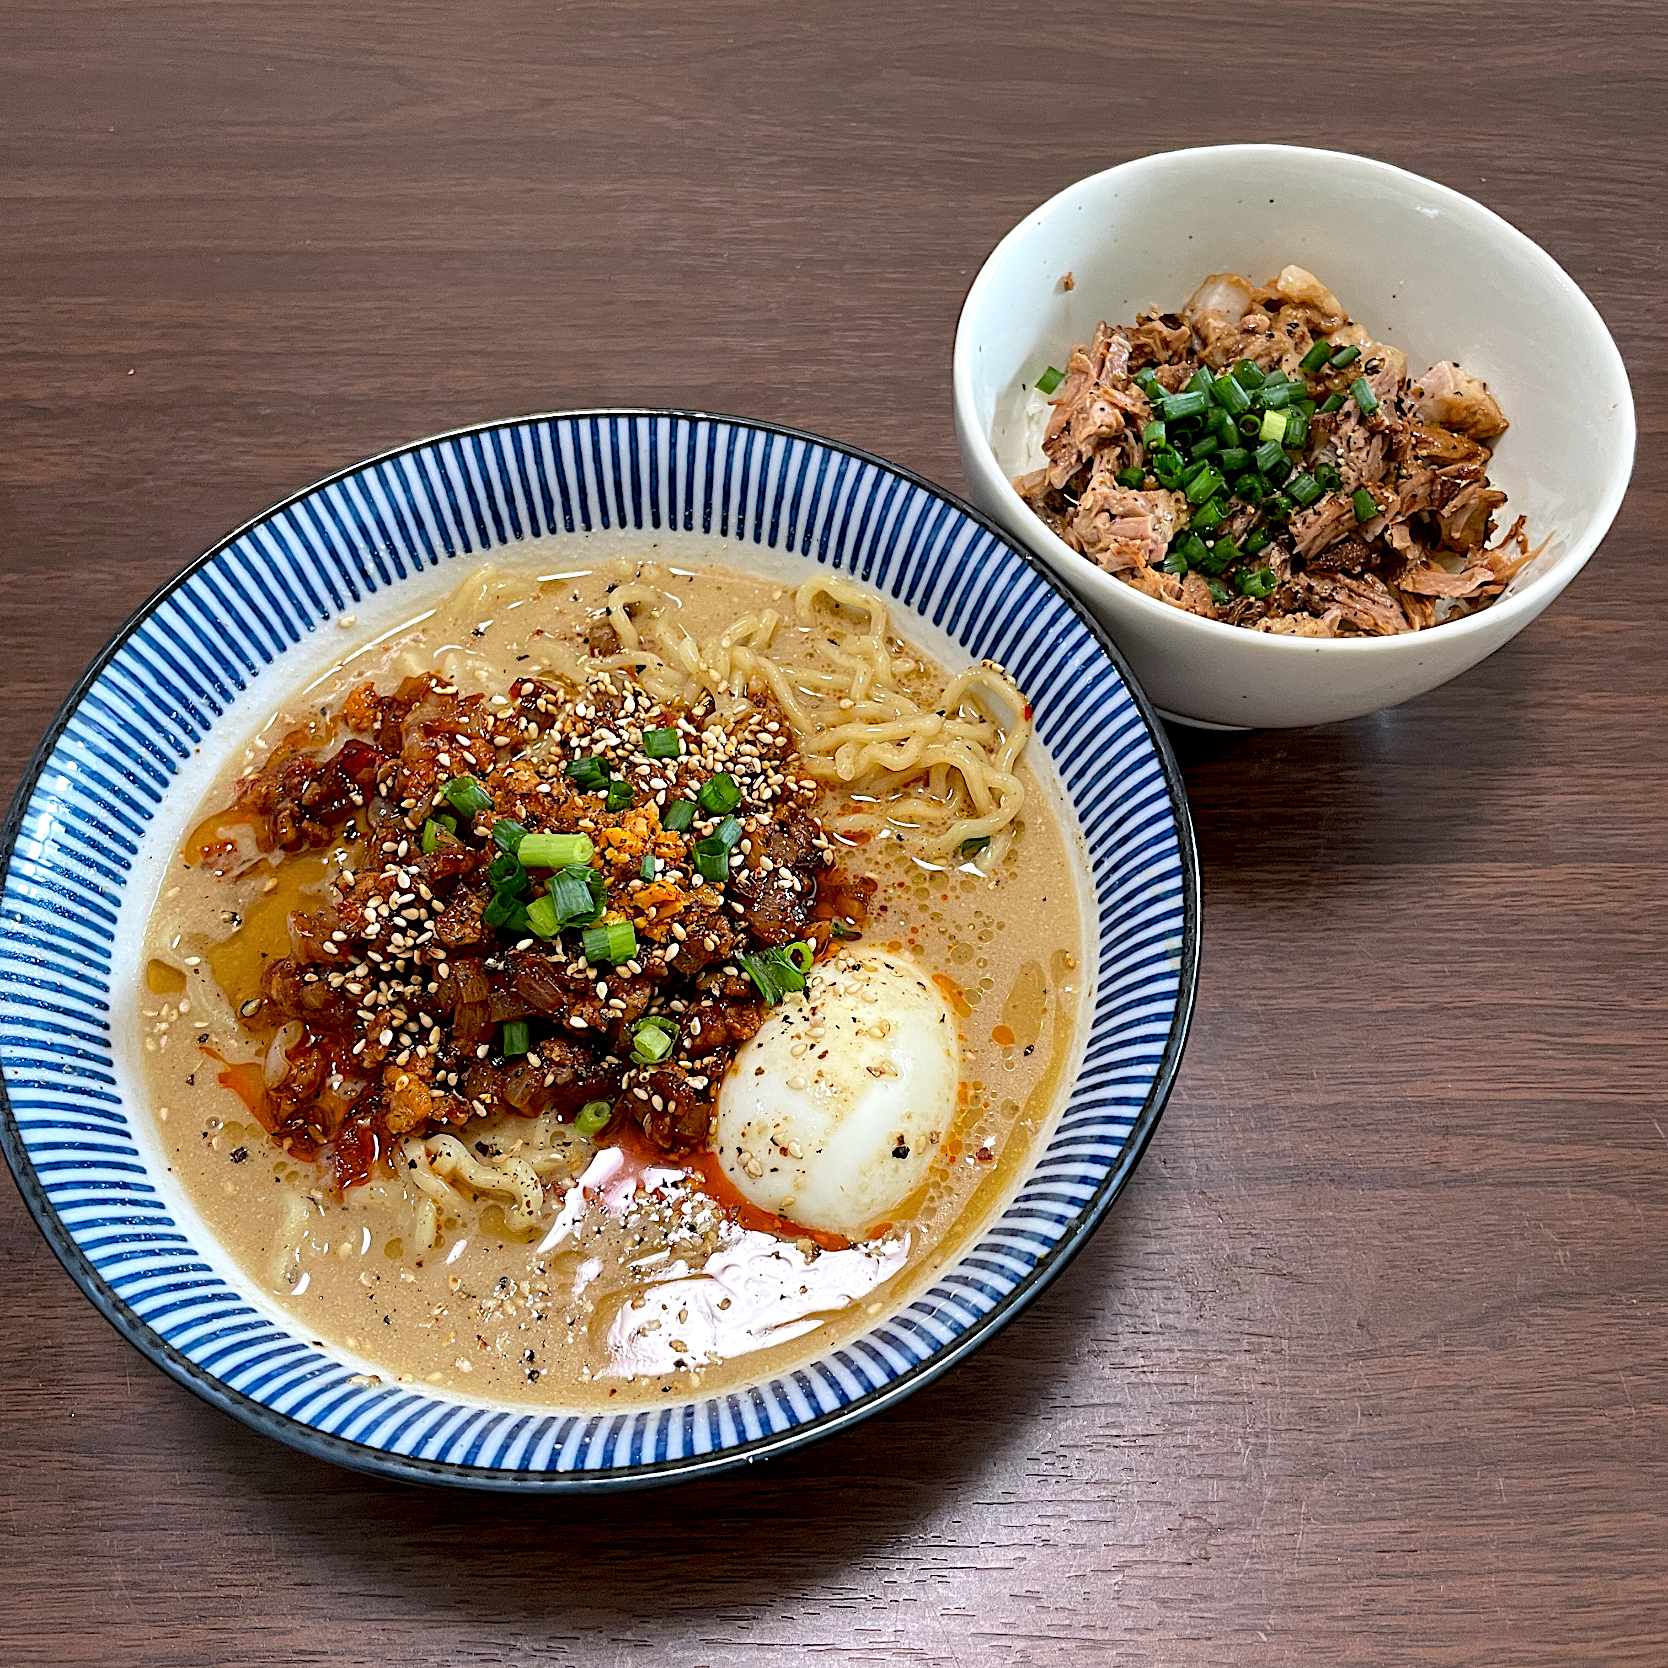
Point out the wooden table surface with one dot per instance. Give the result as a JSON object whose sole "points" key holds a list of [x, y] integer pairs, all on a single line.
{"points": [[1369, 1364]]}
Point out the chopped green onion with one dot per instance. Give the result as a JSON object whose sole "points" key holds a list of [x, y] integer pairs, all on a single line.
{"points": [[619, 795], [651, 865], [801, 954], [728, 834], [1328, 476], [1174, 562], [652, 1039], [1146, 379], [1364, 396], [1153, 433], [1250, 487], [1230, 394], [1260, 582], [1281, 394], [679, 816], [1206, 447], [775, 972], [712, 862], [578, 895], [1297, 429], [541, 917], [1189, 404], [1223, 426], [1234, 459], [1203, 485], [1199, 382], [505, 911], [1278, 470], [662, 744], [431, 832], [1307, 407], [1194, 550], [593, 1117], [614, 941], [589, 773], [1275, 378], [517, 1038], [1272, 429], [975, 847], [1315, 357], [1281, 505], [1219, 593], [1345, 356], [719, 793], [1210, 515], [466, 796], [1248, 374], [1257, 541], [1223, 554], [1365, 508], [505, 874], [1304, 488], [507, 835], [1131, 477], [1251, 425], [1332, 402], [1268, 454], [556, 851], [1050, 380]]}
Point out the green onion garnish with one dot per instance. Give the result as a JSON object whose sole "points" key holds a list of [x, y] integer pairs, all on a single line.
{"points": [[1365, 508], [619, 796], [1204, 485], [1207, 447], [1281, 504], [776, 972], [589, 773], [1050, 380], [1315, 357], [1268, 454], [577, 896], [1131, 477], [1153, 433], [1174, 562], [976, 847], [652, 1038], [1345, 356], [505, 911], [1194, 550], [593, 1117], [556, 851], [1248, 374], [1257, 541], [1332, 402], [517, 1039], [1199, 382], [1364, 396], [1233, 460], [541, 917], [719, 793], [728, 834], [1260, 582], [1304, 488], [651, 864], [1281, 394], [712, 862], [1328, 476], [1209, 516], [432, 828], [505, 874], [1230, 394], [507, 835], [662, 744], [1219, 593], [1297, 429], [614, 941], [1272, 428], [466, 796], [1251, 425], [1223, 554], [1275, 378], [1147, 380], [1189, 404], [679, 816]]}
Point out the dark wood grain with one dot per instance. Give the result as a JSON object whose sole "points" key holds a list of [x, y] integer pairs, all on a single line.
{"points": [[1371, 1365]]}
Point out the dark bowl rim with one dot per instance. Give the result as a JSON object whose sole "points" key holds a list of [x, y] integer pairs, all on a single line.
{"points": [[356, 1456]]}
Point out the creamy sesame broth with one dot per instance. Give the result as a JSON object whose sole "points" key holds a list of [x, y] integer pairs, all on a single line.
{"points": [[566, 1217]]}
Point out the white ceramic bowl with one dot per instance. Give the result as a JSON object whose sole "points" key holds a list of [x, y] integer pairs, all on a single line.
{"points": [[1421, 267]]}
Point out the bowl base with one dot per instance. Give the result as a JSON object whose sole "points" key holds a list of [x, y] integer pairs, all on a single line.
{"points": [[1202, 723]]}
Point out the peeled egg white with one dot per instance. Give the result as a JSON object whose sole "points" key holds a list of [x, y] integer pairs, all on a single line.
{"points": [[831, 1115]]}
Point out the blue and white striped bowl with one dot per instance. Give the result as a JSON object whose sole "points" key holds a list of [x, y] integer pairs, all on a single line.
{"points": [[107, 797]]}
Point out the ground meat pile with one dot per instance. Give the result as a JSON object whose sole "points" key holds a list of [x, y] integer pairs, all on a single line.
{"points": [[451, 981], [1259, 459]]}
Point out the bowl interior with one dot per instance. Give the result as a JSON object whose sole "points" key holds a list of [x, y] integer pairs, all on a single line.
{"points": [[1421, 267], [99, 817]]}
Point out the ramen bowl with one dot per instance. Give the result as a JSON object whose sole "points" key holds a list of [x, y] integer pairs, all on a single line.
{"points": [[101, 814], [1422, 268]]}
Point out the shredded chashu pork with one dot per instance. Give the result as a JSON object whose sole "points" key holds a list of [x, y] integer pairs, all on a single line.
{"points": [[1422, 456]]}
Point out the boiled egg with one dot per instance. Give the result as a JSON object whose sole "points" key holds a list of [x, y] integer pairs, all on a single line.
{"points": [[832, 1113]]}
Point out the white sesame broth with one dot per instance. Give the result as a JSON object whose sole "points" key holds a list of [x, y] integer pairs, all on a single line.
{"points": [[585, 1269]]}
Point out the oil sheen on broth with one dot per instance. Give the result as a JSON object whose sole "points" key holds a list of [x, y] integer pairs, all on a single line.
{"points": [[642, 1275]]}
